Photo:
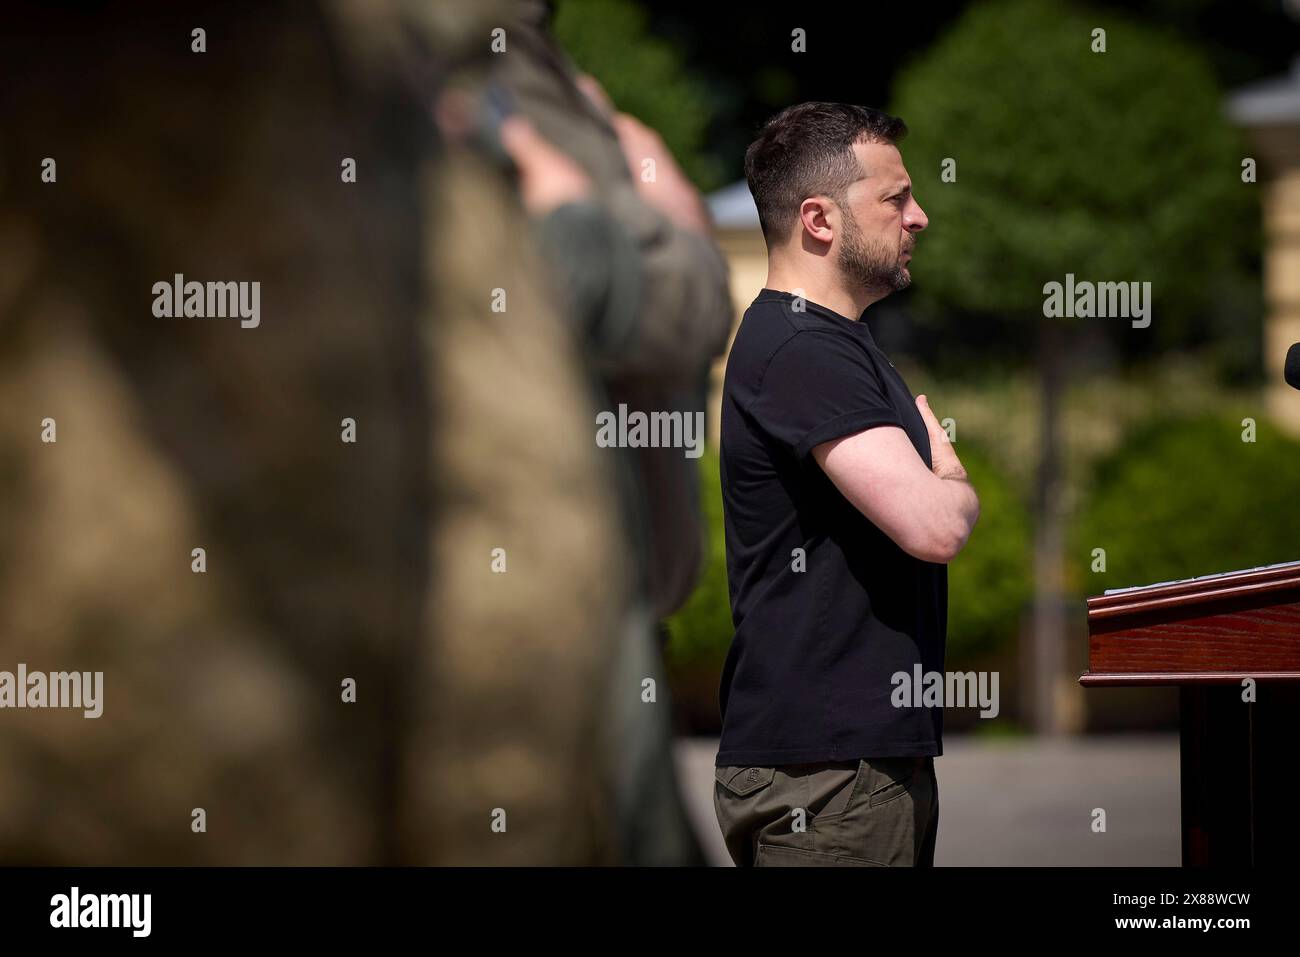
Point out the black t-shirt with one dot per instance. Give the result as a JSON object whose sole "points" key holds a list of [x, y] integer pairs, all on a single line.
{"points": [[819, 634]]}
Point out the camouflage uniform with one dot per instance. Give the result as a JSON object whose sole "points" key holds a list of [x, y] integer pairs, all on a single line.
{"points": [[680, 315], [325, 560]]}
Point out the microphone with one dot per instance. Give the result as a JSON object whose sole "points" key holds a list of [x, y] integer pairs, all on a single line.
{"points": [[1291, 371]]}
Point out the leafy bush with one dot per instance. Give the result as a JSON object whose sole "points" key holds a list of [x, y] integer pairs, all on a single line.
{"points": [[701, 631], [991, 582], [1181, 498]]}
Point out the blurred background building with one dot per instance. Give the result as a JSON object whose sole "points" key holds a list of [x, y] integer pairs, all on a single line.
{"points": [[1270, 113]]}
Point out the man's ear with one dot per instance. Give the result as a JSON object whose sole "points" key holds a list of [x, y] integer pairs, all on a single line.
{"points": [[814, 219]]}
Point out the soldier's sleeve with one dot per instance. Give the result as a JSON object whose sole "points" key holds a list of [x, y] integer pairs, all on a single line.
{"points": [[681, 313], [683, 310], [599, 268]]}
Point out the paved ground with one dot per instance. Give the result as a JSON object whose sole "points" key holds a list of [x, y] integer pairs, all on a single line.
{"points": [[1021, 801]]}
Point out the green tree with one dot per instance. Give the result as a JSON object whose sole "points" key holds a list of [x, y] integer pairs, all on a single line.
{"points": [[644, 75], [1230, 505], [1113, 166]]}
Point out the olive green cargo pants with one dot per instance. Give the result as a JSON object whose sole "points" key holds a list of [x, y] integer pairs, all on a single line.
{"points": [[877, 812]]}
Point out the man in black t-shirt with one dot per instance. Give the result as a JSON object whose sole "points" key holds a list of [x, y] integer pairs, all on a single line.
{"points": [[843, 502]]}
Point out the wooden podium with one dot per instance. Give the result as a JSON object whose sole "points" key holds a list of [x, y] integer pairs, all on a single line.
{"points": [[1239, 774]]}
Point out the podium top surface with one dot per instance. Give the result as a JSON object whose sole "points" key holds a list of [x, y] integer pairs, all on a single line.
{"points": [[1203, 578]]}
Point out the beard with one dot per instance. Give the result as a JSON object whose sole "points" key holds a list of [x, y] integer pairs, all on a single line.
{"points": [[871, 265]]}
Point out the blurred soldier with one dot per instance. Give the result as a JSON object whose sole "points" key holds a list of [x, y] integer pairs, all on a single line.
{"points": [[658, 325], [410, 567]]}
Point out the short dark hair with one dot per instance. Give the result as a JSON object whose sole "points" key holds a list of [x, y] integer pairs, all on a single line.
{"points": [[807, 150]]}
